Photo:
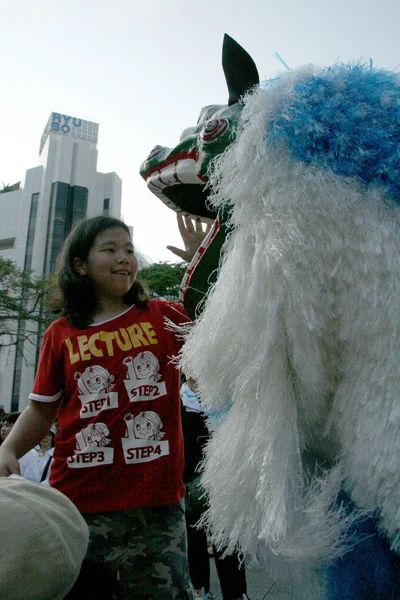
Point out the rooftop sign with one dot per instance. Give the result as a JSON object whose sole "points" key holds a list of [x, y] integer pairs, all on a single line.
{"points": [[71, 126]]}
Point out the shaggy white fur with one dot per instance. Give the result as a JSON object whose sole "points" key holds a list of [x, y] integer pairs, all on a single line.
{"points": [[301, 334]]}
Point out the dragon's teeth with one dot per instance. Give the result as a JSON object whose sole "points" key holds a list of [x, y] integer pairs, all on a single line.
{"points": [[167, 177], [156, 189], [186, 171]]}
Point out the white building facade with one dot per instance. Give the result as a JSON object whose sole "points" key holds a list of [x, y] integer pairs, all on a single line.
{"points": [[35, 220]]}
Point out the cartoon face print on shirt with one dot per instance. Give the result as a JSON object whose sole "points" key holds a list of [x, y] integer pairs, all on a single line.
{"points": [[143, 377], [147, 425], [95, 434], [142, 441], [94, 380], [94, 386], [145, 366], [91, 449]]}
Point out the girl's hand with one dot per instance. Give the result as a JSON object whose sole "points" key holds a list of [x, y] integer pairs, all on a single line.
{"points": [[8, 463], [192, 237]]}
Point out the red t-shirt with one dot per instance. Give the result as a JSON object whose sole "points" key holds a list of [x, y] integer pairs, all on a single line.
{"points": [[120, 441]]}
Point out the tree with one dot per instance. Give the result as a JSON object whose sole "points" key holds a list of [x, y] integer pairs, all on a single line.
{"points": [[163, 279], [22, 302], [10, 188]]}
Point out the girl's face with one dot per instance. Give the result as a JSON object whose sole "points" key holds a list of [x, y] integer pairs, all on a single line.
{"points": [[5, 429], [111, 265]]}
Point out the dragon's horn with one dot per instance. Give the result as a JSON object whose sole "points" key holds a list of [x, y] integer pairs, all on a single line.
{"points": [[239, 68]]}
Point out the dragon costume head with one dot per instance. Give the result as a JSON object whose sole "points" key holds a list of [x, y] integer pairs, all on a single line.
{"points": [[179, 176], [297, 348]]}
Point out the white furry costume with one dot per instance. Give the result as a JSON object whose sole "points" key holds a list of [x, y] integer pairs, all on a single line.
{"points": [[300, 338]]}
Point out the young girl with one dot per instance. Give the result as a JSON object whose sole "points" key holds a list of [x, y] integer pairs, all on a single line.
{"points": [[127, 484]]}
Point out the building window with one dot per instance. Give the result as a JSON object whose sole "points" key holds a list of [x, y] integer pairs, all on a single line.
{"points": [[31, 233], [68, 205], [7, 243], [106, 206]]}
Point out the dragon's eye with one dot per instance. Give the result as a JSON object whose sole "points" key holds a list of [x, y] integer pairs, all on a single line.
{"points": [[213, 129]]}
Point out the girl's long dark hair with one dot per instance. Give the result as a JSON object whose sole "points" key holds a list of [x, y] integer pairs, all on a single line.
{"points": [[74, 295]]}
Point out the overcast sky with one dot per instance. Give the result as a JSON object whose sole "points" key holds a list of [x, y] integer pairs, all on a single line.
{"points": [[143, 69]]}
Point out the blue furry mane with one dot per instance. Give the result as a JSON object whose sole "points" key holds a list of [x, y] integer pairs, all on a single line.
{"points": [[345, 118]]}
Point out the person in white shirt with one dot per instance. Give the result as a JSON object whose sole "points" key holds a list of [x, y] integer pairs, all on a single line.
{"points": [[29, 464], [45, 453]]}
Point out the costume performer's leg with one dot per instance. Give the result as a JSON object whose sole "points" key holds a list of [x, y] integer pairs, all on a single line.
{"points": [[231, 575], [199, 562]]}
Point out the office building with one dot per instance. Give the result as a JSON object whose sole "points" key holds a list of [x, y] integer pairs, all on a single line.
{"points": [[35, 219]]}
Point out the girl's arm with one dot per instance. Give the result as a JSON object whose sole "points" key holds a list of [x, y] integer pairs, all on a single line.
{"points": [[30, 428]]}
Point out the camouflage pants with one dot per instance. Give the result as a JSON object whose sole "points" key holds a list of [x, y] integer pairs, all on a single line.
{"points": [[146, 549]]}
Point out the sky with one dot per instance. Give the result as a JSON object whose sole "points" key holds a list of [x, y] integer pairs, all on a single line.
{"points": [[144, 69]]}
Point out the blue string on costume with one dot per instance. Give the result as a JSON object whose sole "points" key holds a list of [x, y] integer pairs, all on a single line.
{"points": [[346, 119], [216, 418]]}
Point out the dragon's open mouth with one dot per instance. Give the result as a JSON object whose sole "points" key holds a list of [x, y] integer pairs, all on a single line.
{"points": [[190, 198], [178, 184]]}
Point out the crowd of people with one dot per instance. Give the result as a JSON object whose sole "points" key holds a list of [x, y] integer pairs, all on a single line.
{"points": [[105, 373]]}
